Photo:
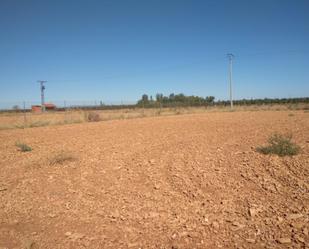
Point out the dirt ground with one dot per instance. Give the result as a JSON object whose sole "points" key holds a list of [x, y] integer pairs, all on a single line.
{"points": [[186, 181]]}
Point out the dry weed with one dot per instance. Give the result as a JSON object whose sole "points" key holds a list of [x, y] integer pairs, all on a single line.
{"points": [[62, 157]]}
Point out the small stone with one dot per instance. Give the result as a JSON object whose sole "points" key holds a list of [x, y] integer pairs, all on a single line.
{"points": [[3, 188], [28, 244], [305, 231], [284, 240], [68, 234], [294, 216], [301, 239], [116, 214], [183, 234], [130, 245], [250, 240], [215, 225], [77, 236], [253, 212], [101, 213], [237, 225], [156, 186], [297, 225]]}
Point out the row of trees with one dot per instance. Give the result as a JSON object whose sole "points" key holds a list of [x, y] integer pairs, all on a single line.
{"points": [[265, 101], [174, 100]]}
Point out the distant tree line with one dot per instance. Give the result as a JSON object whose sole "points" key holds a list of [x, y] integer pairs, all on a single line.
{"points": [[175, 100], [265, 101]]}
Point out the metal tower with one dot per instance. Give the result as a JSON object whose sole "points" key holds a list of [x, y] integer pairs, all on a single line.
{"points": [[42, 94]]}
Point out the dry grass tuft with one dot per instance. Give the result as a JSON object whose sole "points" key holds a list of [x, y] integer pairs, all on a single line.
{"points": [[23, 147], [93, 117], [62, 157]]}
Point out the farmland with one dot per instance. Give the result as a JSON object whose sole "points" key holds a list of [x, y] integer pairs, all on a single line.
{"points": [[21, 119], [171, 181]]}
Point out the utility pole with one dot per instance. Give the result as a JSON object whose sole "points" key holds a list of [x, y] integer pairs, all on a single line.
{"points": [[25, 119], [42, 94], [231, 57]]}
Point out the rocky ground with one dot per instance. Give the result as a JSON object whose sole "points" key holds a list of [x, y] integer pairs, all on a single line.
{"points": [[191, 181]]}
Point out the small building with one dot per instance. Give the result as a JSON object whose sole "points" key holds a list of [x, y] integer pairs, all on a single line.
{"points": [[38, 108], [50, 106]]}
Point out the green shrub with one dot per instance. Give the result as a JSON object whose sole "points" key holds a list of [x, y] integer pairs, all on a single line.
{"points": [[280, 145], [23, 147]]}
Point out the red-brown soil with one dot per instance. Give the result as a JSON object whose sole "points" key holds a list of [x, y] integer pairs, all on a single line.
{"points": [[191, 181]]}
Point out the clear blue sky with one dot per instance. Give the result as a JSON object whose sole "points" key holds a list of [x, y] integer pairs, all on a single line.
{"points": [[116, 50]]}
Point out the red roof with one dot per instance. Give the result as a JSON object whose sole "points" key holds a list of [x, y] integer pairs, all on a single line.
{"points": [[50, 105]]}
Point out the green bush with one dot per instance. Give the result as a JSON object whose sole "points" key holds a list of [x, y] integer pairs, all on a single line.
{"points": [[280, 145], [23, 147]]}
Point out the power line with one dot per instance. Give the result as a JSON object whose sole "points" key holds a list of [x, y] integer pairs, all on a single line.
{"points": [[274, 52]]}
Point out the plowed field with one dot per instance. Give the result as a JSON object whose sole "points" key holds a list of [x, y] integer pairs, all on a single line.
{"points": [[186, 181]]}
